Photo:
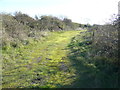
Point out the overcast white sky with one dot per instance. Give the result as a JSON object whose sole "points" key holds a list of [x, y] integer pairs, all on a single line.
{"points": [[81, 11]]}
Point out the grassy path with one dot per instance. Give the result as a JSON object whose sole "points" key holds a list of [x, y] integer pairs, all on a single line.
{"points": [[61, 60], [42, 64]]}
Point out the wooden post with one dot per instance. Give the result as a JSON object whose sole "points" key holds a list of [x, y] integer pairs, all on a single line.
{"points": [[93, 36]]}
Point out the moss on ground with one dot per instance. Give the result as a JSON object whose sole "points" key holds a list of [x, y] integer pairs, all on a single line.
{"points": [[39, 64]]}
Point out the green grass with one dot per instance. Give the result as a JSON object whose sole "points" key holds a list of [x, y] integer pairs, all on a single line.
{"points": [[39, 64], [60, 60]]}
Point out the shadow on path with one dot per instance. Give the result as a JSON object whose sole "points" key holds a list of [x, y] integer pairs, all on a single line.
{"points": [[91, 72]]}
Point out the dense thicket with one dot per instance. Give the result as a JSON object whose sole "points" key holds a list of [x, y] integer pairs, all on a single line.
{"points": [[105, 39], [96, 57], [46, 22], [105, 50], [21, 27]]}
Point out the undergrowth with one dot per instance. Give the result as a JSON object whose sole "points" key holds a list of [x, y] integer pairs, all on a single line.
{"points": [[92, 71]]}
